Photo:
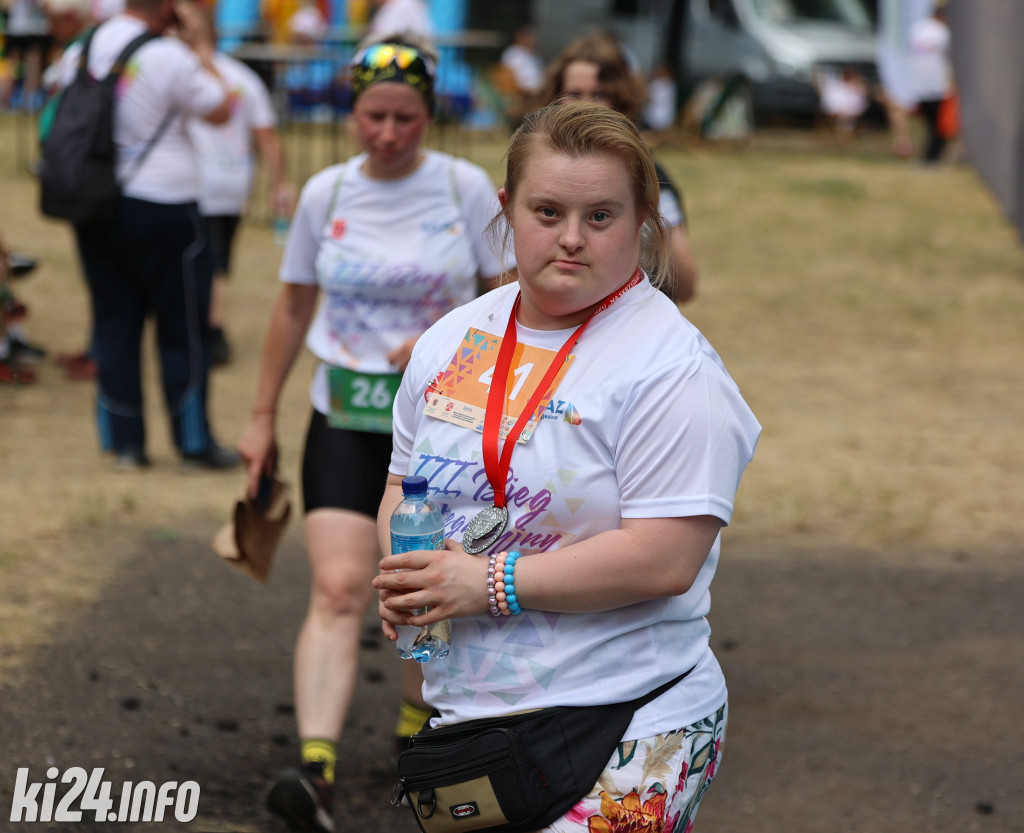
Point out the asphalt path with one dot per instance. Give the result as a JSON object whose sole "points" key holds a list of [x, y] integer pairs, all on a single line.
{"points": [[862, 696]]}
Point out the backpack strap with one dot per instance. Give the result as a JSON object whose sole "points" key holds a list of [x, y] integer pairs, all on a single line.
{"points": [[335, 192], [454, 184], [137, 162], [126, 53], [122, 58], [115, 73], [83, 54]]}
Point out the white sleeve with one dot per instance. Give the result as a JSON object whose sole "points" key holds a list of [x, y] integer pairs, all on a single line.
{"points": [[298, 263], [403, 424], [685, 439], [479, 205], [431, 354], [409, 399]]}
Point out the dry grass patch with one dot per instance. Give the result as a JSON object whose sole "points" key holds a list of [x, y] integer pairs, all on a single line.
{"points": [[871, 314]]}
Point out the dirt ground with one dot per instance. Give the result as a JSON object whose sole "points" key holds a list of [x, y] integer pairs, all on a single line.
{"points": [[873, 643], [883, 699]]}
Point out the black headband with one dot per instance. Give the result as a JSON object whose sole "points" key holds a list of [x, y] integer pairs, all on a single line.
{"points": [[394, 62]]}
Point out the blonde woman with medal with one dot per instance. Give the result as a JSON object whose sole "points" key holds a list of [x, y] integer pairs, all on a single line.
{"points": [[585, 444], [380, 248]]}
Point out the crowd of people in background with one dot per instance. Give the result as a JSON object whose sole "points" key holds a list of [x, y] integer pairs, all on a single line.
{"points": [[914, 73]]}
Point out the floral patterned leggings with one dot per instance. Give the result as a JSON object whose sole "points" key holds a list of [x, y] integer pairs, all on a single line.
{"points": [[652, 785]]}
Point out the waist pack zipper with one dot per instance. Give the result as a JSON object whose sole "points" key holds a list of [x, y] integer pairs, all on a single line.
{"points": [[405, 784]]}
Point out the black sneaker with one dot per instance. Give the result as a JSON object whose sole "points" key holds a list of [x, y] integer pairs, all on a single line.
{"points": [[24, 352], [215, 458], [20, 265], [303, 798], [220, 349]]}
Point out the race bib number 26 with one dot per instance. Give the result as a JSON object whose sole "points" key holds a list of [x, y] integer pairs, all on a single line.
{"points": [[361, 401]]}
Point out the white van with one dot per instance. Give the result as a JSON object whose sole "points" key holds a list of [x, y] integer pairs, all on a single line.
{"points": [[773, 51], [769, 52]]}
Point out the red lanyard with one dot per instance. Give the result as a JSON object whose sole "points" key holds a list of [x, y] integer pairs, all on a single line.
{"points": [[497, 466]]}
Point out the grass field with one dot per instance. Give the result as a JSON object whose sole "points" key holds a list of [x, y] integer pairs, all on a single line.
{"points": [[870, 310]]}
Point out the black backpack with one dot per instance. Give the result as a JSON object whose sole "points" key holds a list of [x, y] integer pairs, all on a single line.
{"points": [[78, 175]]}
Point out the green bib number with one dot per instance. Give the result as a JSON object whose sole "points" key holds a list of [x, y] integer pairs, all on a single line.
{"points": [[361, 401]]}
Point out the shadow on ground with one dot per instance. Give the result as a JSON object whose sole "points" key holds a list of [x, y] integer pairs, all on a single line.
{"points": [[182, 671], [862, 698]]}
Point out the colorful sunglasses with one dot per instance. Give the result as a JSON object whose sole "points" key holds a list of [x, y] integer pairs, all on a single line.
{"points": [[381, 55]]}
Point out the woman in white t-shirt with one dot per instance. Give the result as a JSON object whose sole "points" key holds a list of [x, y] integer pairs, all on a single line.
{"points": [[596, 68], [604, 513], [227, 164], [388, 242]]}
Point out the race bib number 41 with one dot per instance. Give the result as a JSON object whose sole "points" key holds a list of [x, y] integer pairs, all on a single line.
{"points": [[459, 393], [361, 401]]}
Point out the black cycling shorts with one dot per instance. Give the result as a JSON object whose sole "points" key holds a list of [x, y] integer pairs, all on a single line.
{"points": [[220, 229], [344, 469]]}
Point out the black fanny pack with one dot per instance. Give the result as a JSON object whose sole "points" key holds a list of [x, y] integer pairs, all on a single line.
{"points": [[511, 774]]}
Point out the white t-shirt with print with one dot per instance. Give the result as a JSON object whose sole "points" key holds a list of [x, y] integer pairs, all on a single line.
{"points": [[391, 257], [226, 160], [646, 423], [162, 76]]}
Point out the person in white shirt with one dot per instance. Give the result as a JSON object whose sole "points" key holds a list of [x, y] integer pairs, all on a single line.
{"points": [[106, 9], [662, 92], [844, 97], [603, 503], [226, 168], [895, 19], [387, 243], [932, 73], [148, 260], [408, 17], [522, 60], [596, 68]]}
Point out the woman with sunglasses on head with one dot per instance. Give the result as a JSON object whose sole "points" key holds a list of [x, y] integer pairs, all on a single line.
{"points": [[388, 242], [596, 68]]}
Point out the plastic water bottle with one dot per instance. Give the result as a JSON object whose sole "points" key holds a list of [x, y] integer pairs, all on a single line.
{"points": [[416, 524], [281, 224]]}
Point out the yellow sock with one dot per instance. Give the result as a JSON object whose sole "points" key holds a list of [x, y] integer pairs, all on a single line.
{"points": [[321, 751], [410, 719]]}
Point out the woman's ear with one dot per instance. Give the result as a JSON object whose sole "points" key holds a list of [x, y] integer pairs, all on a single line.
{"points": [[502, 198]]}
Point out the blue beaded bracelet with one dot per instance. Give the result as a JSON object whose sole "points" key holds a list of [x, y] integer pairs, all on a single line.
{"points": [[501, 584], [510, 586]]}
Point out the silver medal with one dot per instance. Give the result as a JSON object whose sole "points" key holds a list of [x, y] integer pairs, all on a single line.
{"points": [[484, 529]]}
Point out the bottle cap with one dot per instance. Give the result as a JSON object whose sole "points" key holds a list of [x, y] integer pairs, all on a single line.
{"points": [[414, 485]]}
